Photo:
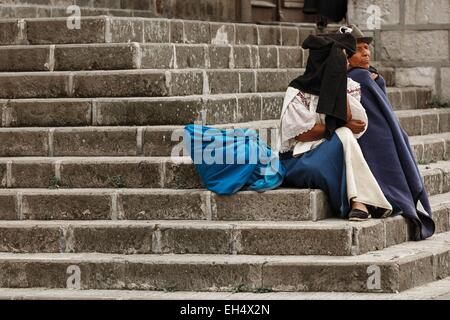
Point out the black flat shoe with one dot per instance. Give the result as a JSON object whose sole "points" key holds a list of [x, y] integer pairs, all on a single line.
{"points": [[358, 215]]}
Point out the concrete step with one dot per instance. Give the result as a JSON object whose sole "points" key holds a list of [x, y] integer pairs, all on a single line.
{"points": [[135, 55], [138, 172], [105, 29], [46, 11], [391, 268], [58, 8], [329, 237], [143, 83], [150, 56], [163, 141], [212, 109], [162, 204], [113, 4], [436, 290]]}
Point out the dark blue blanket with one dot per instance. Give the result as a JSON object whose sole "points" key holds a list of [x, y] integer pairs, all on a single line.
{"points": [[386, 148]]}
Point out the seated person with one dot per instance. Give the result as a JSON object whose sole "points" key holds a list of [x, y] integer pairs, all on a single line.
{"points": [[386, 147], [319, 126]]}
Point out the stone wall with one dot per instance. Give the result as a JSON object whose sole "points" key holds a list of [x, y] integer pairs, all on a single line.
{"points": [[413, 38]]}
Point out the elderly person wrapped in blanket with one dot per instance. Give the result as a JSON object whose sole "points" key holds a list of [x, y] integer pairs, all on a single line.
{"points": [[321, 120], [385, 144]]}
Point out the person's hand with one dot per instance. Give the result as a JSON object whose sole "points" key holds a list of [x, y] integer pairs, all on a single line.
{"points": [[374, 76], [357, 126]]}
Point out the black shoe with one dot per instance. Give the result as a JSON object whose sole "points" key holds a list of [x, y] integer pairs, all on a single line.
{"points": [[358, 215]]}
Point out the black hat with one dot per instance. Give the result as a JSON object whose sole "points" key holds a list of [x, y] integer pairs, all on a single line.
{"points": [[356, 32], [345, 40]]}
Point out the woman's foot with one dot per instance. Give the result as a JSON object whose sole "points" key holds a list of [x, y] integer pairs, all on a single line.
{"points": [[359, 212]]}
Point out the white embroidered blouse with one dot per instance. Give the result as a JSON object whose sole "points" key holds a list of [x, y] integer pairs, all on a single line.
{"points": [[299, 116]]}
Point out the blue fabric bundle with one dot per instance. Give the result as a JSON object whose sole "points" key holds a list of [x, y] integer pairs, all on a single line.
{"points": [[231, 160], [386, 148]]}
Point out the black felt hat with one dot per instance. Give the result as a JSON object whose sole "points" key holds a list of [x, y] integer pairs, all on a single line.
{"points": [[357, 33], [345, 40]]}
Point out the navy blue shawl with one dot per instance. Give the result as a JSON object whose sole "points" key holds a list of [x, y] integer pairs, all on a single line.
{"points": [[386, 148]]}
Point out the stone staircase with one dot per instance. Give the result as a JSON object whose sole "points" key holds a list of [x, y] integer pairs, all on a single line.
{"points": [[89, 121], [57, 8]]}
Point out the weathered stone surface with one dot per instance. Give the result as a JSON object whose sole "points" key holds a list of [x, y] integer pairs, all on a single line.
{"points": [[268, 57], [269, 35], [243, 58], [444, 121], [430, 123], [414, 45], [445, 80], [157, 56], [159, 142], [32, 174], [170, 205], [419, 77], [24, 59], [272, 81], [147, 112], [427, 12], [156, 31], [411, 124], [249, 108], [136, 174], [247, 81], [9, 32], [34, 85], [30, 239], [125, 30], [3, 175], [197, 32], [271, 107], [396, 231], [49, 113], [185, 83], [29, 142], [100, 57], [95, 142], [221, 34], [442, 219], [433, 181], [289, 36], [370, 237], [246, 34], [64, 206], [187, 276], [181, 176], [290, 57], [360, 15], [195, 240], [219, 57], [7, 205], [287, 241], [55, 31], [191, 56], [220, 110], [113, 239], [255, 206], [319, 278], [434, 151], [424, 97], [177, 31], [411, 271], [223, 81], [120, 84]]}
